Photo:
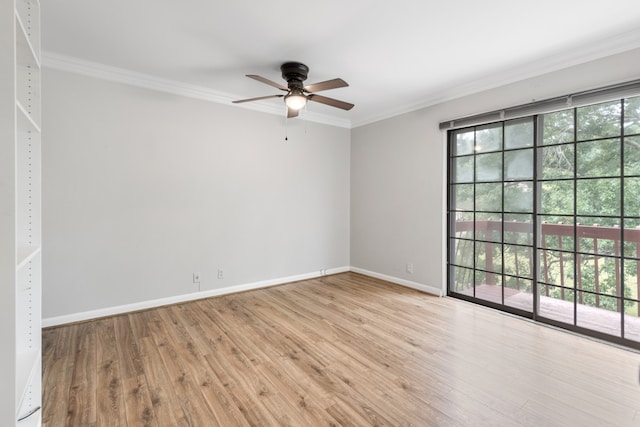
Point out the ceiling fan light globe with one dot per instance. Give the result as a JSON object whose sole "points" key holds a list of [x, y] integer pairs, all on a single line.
{"points": [[295, 101]]}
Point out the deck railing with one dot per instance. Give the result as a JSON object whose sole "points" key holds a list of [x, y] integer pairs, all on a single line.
{"points": [[595, 246]]}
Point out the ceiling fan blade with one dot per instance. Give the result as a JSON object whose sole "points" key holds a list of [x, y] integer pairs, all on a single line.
{"points": [[330, 101], [292, 113], [329, 84], [257, 99], [267, 81]]}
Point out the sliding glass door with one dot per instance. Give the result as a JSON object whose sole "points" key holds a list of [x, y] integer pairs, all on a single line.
{"points": [[544, 217], [492, 213]]}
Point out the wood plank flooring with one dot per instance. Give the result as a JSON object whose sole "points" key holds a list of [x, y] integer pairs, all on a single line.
{"points": [[595, 319], [340, 350]]}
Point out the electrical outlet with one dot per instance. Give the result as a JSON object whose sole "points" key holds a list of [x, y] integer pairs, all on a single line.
{"points": [[196, 277], [410, 268], [220, 274]]}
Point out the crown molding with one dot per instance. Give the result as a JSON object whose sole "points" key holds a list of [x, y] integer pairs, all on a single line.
{"points": [[606, 47], [620, 43], [128, 77]]}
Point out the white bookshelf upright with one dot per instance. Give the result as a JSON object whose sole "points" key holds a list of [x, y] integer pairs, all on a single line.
{"points": [[20, 214]]}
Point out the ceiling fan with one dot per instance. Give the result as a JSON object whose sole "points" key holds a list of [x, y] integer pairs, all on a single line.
{"points": [[297, 95]]}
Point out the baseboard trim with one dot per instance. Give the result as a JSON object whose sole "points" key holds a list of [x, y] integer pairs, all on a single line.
{"points": [[144, 305], [407, 283]]}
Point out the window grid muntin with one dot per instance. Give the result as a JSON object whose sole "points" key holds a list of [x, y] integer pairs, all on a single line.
{"points": [[621, 215]]}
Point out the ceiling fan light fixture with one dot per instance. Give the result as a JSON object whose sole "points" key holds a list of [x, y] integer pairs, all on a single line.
{"points": [[297, 94], [295, 99]]}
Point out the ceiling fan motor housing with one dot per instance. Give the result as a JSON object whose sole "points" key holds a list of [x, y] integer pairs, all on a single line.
{"points": [[294, 73]]}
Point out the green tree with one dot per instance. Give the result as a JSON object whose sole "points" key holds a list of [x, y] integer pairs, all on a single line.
{"points": [[603, 160], [589, 173]]}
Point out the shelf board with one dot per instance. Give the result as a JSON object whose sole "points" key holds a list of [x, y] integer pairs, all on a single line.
{"points": [[34, 421], [24, 46], [25, 120], [26, 254], [27, 366]]}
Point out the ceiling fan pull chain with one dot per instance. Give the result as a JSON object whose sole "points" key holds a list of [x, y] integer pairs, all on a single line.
{"points": [[286, 128]]}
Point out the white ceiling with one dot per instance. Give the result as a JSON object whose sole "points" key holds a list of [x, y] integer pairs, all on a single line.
{"points": [[396, 55]]}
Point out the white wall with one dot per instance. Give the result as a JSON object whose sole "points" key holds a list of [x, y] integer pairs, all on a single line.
{"points": [[398, 171], [143, 188], [395, 199]]}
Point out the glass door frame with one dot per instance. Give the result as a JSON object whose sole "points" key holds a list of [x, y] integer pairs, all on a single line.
{"points": [[537, 214]]}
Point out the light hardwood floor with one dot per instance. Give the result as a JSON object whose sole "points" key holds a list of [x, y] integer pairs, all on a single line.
{"points": [[341, 350]]}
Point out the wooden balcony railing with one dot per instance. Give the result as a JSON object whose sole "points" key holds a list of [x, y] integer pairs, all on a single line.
{"points": [[595, 246]]}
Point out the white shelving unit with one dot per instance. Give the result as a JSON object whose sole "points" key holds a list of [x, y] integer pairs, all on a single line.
{"points": [[20, 214]]}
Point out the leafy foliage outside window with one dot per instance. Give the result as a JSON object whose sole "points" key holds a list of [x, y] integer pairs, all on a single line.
{"points": [[588, 173]]}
